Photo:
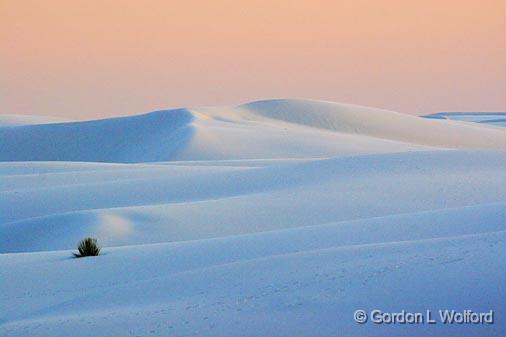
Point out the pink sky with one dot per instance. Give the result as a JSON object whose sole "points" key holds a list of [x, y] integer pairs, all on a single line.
{"points": [[88, 59]]}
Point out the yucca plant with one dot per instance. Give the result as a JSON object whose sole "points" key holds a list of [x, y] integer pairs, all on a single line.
{"points": [[88, 247]]}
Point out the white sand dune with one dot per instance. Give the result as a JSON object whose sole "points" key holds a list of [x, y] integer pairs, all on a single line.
{"points": [[157, 203], [265, 129], [300, 282], [488, 118], [379, 123], [274, 218]]}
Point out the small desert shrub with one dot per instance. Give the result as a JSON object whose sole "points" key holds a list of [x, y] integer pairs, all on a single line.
{"points": [[88, 247]]}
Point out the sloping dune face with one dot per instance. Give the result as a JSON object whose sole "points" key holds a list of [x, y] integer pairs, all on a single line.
{"points": [[273, 218], [155, 136]]}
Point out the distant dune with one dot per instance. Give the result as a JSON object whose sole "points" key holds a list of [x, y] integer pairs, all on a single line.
{"points": [[490, 118], [258, 130]]}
